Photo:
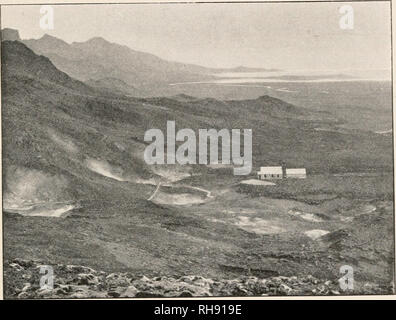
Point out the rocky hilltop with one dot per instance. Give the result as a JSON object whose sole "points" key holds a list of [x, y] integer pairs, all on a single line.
{"points": [[10, 34]]}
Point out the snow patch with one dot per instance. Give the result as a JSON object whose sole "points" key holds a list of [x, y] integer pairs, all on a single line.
{"points": [[305, 215], [104, 169], [180, 199], [315, 234], [65, 143], [41, 210], [256, 182]]}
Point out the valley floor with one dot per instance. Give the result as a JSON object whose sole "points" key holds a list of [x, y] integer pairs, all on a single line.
{"points": [[293, 229]]}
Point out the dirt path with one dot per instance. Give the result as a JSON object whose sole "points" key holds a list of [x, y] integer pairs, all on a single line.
{"points": [[208, 193], [155, 192]]}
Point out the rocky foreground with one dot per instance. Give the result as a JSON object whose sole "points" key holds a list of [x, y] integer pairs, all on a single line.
{"points": [[22, 281]]}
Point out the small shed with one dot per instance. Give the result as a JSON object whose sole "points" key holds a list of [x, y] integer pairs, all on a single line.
{"points": [[298, 173], [270, 173]]}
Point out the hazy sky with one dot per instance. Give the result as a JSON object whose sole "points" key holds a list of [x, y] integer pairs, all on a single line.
{"points": [[286, 36]]}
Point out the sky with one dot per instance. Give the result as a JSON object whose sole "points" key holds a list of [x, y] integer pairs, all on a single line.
{"points": [[288, 36]]}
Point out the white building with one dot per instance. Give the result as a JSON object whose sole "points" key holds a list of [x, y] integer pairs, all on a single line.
{"points": [[299, 173], [270, 173]]}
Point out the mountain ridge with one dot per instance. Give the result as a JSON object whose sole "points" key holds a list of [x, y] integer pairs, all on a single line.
{"points": [[98, 58]]}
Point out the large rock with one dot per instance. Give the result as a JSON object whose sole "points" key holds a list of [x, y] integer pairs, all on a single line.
{"points": [[130, 292], [86, 279]]}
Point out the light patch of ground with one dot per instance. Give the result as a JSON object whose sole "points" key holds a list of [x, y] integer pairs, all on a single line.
{"points": [[104, 169], [315, 234], [248, 211], [346, 219], [368, 209], [208, 193], [56, 210], [385, 132], [258, 225], [24, 186], [229, 211], [239, 211], [232, 202], [180, 199], [256, 182], [170, 174], [65, 143], [360, 210], [146, 181], [305, 215]]}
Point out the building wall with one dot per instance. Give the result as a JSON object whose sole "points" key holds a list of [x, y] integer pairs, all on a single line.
{"points": [[296, 176], [269, 176]]}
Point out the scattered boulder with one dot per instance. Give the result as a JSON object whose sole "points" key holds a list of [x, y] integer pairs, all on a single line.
{"points": [[86, 279], [118, 279], [84, 282], [130, 292]]}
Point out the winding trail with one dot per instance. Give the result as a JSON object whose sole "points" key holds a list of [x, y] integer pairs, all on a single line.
{"points": [[208, 193], [155, 192]]}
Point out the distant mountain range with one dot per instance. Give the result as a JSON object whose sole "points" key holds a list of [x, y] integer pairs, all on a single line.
{"points": [[133, 72]]}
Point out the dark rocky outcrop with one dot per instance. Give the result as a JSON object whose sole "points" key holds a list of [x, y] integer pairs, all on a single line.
{"points": [[71, 281]]}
